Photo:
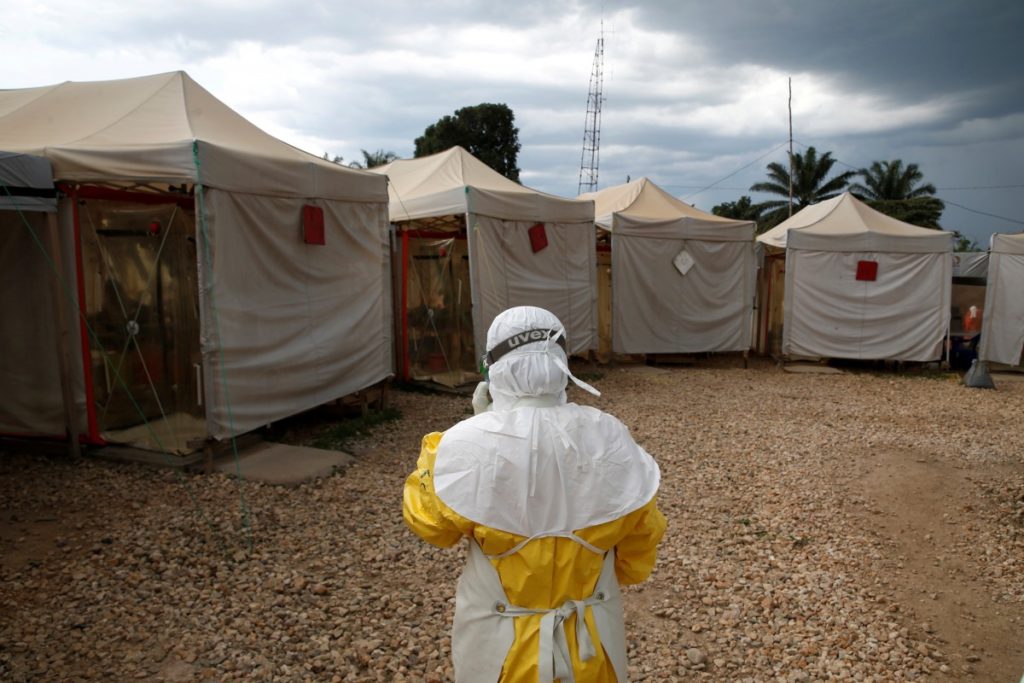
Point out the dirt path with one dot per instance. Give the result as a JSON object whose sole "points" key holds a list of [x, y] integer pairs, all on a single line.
{"points": [[927, 511]]}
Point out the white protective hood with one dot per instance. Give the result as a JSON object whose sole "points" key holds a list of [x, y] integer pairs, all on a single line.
{"points": [[535, 465], [1002, 327]]}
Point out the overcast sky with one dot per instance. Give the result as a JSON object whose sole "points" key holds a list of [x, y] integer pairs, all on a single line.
{"points": [[695, 92]]}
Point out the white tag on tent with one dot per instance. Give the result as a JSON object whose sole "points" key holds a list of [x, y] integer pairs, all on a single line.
{"points": [[683, 262]]}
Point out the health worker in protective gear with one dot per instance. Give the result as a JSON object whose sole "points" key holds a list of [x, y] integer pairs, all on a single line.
{"points": [[558, 505]]}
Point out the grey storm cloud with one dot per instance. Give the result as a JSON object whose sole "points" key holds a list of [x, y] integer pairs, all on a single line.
{"points": [[900, 48], [695, 91]]}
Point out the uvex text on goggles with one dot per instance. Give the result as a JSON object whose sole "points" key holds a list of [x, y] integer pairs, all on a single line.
{"points": [[517, 340]]}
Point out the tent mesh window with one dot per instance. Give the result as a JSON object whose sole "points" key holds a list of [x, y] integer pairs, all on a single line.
{"points": [[438, 310], [141, 301]]}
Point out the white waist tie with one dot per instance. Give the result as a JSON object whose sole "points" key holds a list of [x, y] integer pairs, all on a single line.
{"points": [[484, 628], [553, 658]]}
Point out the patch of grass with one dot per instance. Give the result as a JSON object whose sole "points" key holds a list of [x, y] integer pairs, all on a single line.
{"points": [[338, 436]]}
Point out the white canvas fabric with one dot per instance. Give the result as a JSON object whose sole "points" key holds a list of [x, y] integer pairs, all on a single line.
{"points": [[285, 325], [1002, 326], [642, 208], [31, 289], [970, 264], [535, 465], [25, 172], [902, 315], [156, 128], [504, 269], [505, 272], [30, 401], [301, 350], [455, 182], [655, 307], [845, 223]]}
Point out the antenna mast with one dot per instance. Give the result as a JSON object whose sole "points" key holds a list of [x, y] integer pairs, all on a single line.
{"points": [[790, 105], [592, 127]]}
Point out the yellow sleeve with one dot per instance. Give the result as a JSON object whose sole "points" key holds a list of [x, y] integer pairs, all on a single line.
{"points": [[636, 552], [428, 517]]}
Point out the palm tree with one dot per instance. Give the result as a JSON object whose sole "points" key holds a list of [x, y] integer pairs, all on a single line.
{"points": [[743, 209], [888, 180], [898, 192], [810, 185], [374, 159]]}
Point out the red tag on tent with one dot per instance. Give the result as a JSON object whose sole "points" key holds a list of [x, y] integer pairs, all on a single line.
{"points": [[867, 270], [538, 237], [313, 224]]}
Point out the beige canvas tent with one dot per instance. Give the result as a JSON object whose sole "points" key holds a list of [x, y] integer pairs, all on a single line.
{"points": [[862, 285], [682, 279], [471, 243], [1002, 327], [35, 389], [222, 278]]}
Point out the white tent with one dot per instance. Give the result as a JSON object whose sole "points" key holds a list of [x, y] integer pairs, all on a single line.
{"points": [[970, 264], [1002, 326], [31, 399], [682, 279], [250, 277], [26, 184], [862, 285], [521, 246]]}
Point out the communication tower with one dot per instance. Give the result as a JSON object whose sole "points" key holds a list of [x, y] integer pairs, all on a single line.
{"points": [[592, 127]]}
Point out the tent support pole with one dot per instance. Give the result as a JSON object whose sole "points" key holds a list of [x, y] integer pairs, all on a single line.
{"points": [[767, 306], [405, 305], [90, 391], [64, 341]]}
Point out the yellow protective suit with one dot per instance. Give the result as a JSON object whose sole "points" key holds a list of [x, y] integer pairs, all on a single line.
{"points": [[543, 574]]}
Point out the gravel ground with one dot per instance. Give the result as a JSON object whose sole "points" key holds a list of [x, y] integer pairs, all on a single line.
{"points": [[788, 554]]}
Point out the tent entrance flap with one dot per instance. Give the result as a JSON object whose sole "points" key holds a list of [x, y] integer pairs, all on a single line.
{"points": [[141, 302], [438, 330], [31, 402]]}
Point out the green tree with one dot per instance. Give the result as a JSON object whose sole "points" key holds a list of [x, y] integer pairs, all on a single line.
{"points": [[921, 211], [374, 159], [900, 192], [890, 180], [487, 131], [743, 209], [810, 185], [964, 243]]}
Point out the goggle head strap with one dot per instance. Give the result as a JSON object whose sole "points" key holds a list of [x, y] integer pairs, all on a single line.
{"points": [[517, 340]]}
